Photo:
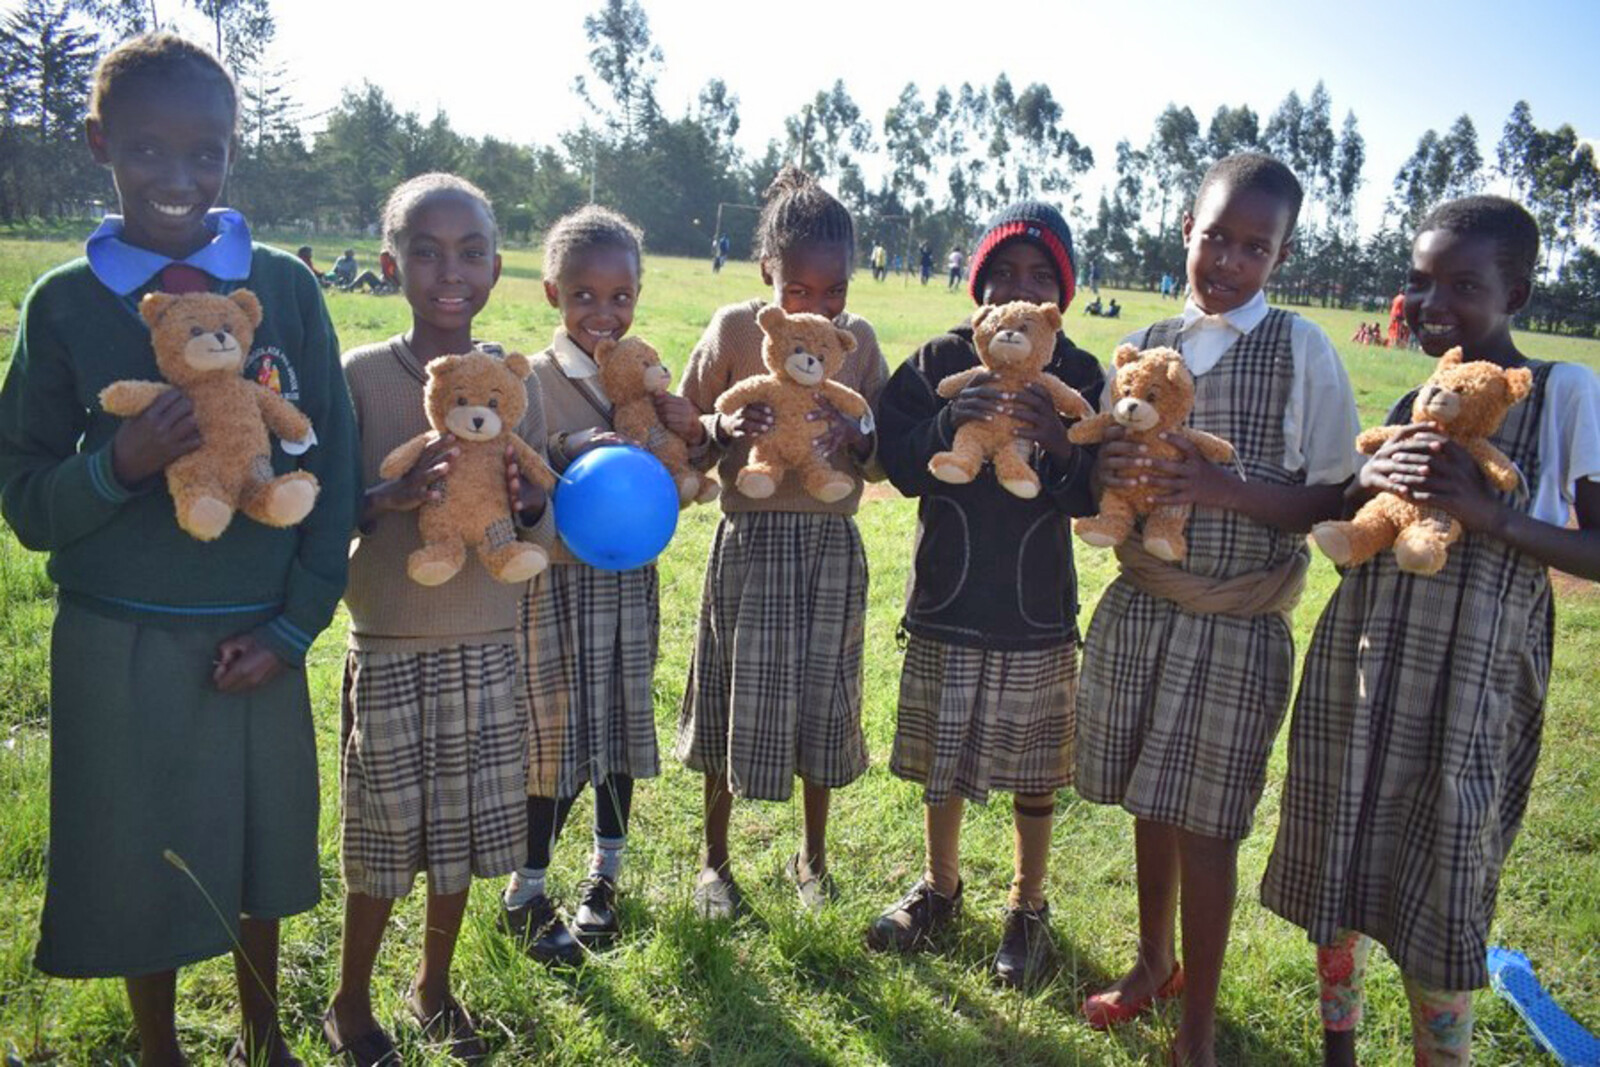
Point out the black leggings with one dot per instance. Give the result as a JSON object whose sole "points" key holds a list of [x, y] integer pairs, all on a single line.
{"points": [[613, 801]]}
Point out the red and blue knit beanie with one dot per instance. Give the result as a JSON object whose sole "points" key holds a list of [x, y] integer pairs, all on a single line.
{"points": [[1038, 222]]}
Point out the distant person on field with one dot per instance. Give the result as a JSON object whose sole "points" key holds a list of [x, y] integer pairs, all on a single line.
{"points": [[719, 252], [1113, 309], [880, 259], [953, 264], [303, 253], [1093, 307], [1417, 726], [183, 757], [1399, 336], [925, 262], [343, 274]]}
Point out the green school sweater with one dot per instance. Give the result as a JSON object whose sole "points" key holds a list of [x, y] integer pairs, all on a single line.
{"points": [[117, 549]]}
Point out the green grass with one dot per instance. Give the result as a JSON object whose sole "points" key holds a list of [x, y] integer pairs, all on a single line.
{"points": [[784, 988]]}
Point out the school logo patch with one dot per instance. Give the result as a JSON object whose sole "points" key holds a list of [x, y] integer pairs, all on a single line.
{"points": [[268, 366]]}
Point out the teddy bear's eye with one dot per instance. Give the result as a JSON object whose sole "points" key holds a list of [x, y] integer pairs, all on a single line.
{"points": [[799, 349], [1150, 396], [494, 403], [195, 331], [461, 401]]}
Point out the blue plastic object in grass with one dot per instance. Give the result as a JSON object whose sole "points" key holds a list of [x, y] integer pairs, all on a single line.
{"points": [[616, 507], [1512, 977]]}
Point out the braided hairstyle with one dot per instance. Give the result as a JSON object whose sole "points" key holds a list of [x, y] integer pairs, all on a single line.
{"points": [[411, 194], [1505, 222], [591, 226], [157, 57], [800, 211]]}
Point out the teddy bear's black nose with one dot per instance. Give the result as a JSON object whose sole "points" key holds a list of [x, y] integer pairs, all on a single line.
{"points": [[221, 337], [477, 422]]}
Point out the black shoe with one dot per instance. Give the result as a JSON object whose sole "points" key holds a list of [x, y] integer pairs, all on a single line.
{"points": [[596, 920], [917, 919], [1027, 950], [538, 928]]}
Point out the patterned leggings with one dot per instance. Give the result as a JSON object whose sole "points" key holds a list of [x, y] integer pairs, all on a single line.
{"points": [[1441, 1020]]}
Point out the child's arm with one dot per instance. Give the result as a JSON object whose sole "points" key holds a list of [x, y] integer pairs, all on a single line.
{"points": [[1066, 470], [914, 422], [706, 376], [1192, 479], [529, 477]]}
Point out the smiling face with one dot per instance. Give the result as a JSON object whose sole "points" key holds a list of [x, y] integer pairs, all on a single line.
{"points": [[813, 278], [1235, 239], [447, 262], [596, 294], [1456, 295], [168, 146]]}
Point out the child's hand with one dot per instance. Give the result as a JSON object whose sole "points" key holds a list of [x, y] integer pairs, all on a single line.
{"points": [[680, 417], [1034, 409], [978, 402], [527, 497], [243, 664], [161, 433], [1120, 462], [419, 484], [1190, 479], [1405, 454], [752, 420], [1452, 481], [842, 430], [595, 439]]}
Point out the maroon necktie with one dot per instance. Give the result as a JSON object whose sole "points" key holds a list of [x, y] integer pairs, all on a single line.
{"points": [[182, 278]]}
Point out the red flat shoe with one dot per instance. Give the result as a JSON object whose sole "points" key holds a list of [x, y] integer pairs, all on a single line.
{"points": [[1102, 1014]]}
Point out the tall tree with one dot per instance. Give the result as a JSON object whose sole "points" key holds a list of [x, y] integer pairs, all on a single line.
{"points": [[1349, 157], [123, 18], [241, 29], [45, 65], [1282, 135], [1232, 129], [1513, 153], [1174, 156], [361, 151], [625, 59], [1317, 147]]}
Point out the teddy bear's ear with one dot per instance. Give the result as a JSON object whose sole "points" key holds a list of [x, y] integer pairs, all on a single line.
{"points": [[1451, 358], [1175, 371], [248, 304], [1052, 316], [771, 317], [439, 366], [847, 340], [1126, 354], [154, 305], [518, 364], [1520, 382], [983, 313], [604, 349]]}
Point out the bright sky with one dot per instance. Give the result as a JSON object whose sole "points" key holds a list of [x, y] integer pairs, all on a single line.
{"points": [[507, 68]]}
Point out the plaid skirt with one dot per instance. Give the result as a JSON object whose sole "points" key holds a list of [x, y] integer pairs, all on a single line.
{"points": [[589, 653], [433, 768], [774, 687], [1177, 712], [974, 719]]}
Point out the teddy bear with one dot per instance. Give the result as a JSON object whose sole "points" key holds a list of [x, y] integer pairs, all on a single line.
{"points": [[1467, 401], [1014, 341], [200, 342], [478, 398], [802, 351], [631, 372], [1151, 395]]}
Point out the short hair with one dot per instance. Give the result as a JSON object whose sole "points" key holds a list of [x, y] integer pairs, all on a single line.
{"points": [[1506, 222], [410, 195], [1257, 172], [800, 211], [590, 227], [157, 57]]}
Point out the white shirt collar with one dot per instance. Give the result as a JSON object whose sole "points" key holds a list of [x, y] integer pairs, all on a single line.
{"points": [[1241, 319], [573, 361]]}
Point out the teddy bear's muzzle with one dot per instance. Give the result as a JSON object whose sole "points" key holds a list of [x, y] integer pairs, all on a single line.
{"points": [[1440, 404], [1134, 414], [804, 368], [473, 423]]}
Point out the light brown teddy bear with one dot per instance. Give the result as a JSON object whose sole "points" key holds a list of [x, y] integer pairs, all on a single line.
{"points": [[479, 399], [200, 342], [1467, 402], [631, 372], [802, 351], [1015, 342], [1152, 394]]}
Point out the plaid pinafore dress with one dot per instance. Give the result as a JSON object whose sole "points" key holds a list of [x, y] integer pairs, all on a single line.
{"points": [[1413, 743], [1177, 711]]}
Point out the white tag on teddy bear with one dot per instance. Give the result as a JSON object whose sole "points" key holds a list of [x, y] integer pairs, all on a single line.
{"points": [[299, 448]]}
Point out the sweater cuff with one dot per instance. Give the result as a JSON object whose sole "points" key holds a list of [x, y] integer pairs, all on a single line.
{"points": [[286, 640], [103, 478]]}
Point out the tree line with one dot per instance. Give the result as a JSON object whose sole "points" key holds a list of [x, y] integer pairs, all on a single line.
{"points": [[936, 164]]}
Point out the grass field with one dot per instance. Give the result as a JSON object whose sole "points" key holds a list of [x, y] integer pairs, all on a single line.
{"points": [[782, 987]]}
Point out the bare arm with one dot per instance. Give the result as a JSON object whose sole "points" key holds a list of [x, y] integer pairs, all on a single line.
{"points": [[129, 398], [1191, 479]]}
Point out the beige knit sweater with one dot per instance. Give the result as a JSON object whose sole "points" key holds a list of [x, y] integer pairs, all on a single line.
{"points": [[388, 611], [730, 351]]}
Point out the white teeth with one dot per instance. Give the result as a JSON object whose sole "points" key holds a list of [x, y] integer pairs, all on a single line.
{"points": [[171, 210]]}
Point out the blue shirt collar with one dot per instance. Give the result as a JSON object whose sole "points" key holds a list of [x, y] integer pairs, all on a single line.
{"points": [[124, 268]]}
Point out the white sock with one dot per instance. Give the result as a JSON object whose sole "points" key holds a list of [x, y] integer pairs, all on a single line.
{"points": [[526, 883], [607, 858]]}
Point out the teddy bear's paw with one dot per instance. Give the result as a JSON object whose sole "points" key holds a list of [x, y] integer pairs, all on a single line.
{"points": [[429, 568], [756, 485], [1164, 549], [1334, 540], [291, 500], [688, 486], [205, 517], [709, 491], [1093, 531], [947, 468], [1026, 488], [833, 490], [523, 565], [1417, 556]]}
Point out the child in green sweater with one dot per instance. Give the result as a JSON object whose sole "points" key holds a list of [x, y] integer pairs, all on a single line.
{"points": [[181, 746]]}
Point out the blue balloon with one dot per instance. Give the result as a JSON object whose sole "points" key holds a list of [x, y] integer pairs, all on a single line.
{"points": [[616, 507]]}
